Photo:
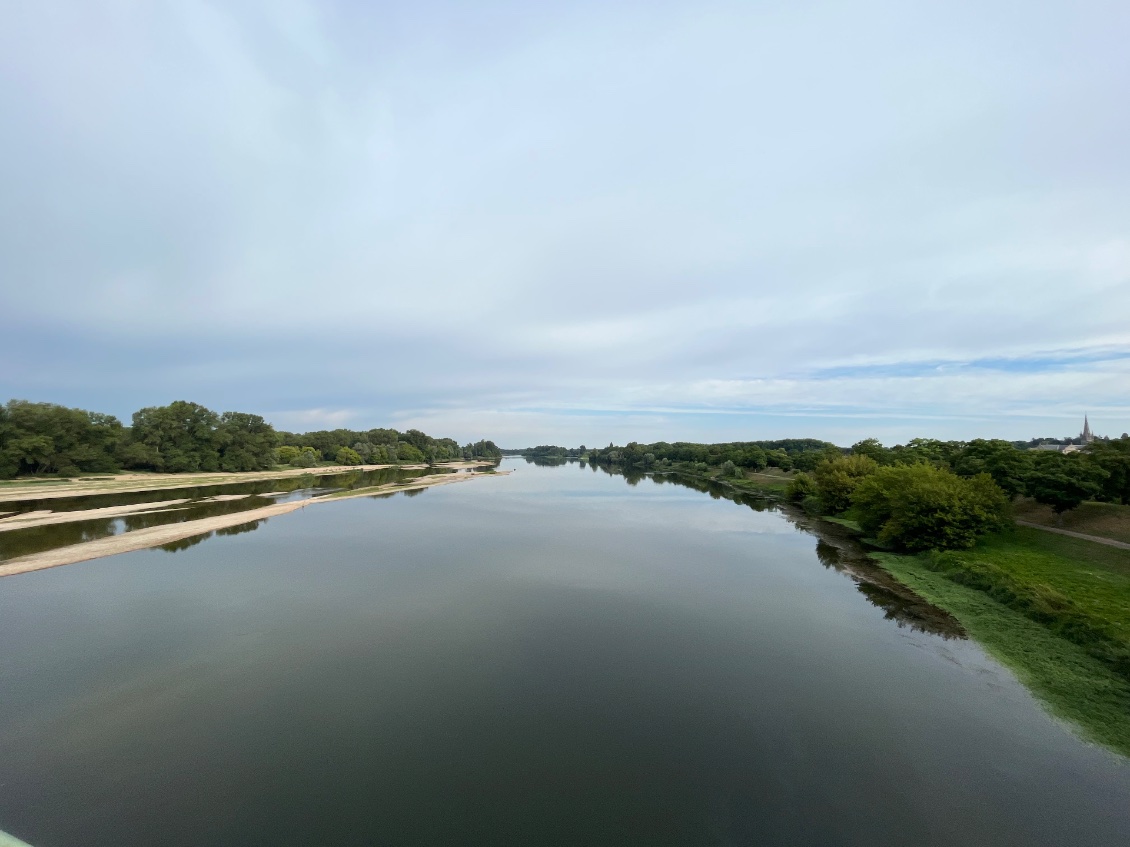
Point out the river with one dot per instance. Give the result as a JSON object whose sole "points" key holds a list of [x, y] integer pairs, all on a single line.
{"points": [[554, 657]]}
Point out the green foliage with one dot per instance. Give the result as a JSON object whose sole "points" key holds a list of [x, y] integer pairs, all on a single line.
{"points": [[307, 458], [1009, 467], [1063, 481], [837, 479], [42, 438], [871, 447], [347, 456], [1113, 457], [482, 450], [754, 455], [287, 454], [186, 437], [922, 507], [376, 445], [729, 469], [801, 487]]}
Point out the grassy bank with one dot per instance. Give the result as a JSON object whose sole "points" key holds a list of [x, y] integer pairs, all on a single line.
{"points": [[1054, 609], [1106, 520]]}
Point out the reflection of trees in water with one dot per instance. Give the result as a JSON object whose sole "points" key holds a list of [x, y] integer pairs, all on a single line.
{"points": [[192, 541], [184, 543], [835, 549]]}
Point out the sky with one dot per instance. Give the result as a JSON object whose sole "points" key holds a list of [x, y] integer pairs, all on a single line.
{"points": [[573, 222]]}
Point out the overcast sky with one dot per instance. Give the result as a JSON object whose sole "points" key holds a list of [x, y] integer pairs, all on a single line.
{"points": [[572, 222]]}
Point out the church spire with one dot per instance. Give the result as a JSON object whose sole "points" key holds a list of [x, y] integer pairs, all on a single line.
{"points": [[1087, 437]]}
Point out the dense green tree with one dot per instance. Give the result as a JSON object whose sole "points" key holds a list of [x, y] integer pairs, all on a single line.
{"points": [[800, 488], [287, 454], [307, 458], [179, 437], [1113, 457], [43, 438], [1063, 481], [246, 442], [837, 479], [1008, 466], [873, 448], [923, 507], [347, 456]]}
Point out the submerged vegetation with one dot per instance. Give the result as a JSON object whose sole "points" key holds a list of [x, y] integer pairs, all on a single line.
{"points": [[185, 437]]}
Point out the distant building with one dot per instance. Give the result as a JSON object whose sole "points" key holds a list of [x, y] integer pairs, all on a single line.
{"points": [[1072, 445]]}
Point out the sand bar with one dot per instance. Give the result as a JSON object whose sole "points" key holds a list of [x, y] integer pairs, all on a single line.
{"points": [[127, 482], [140, 539], [43, 517]]}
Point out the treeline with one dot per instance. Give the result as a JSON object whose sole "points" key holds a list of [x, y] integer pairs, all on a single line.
{"points": [[44, 438], [943, 495], [1100, 471], [376, 446], [787, 453]]}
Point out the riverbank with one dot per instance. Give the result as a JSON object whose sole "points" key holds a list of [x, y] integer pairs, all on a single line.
{"points": [[156, 536], [1056, 610], [45, 488]]}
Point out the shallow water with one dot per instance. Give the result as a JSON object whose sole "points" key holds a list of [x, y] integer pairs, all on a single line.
{"points": [[552, 657]]}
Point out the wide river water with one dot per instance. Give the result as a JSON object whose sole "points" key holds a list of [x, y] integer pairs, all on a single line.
{"points": [[554, 657]]}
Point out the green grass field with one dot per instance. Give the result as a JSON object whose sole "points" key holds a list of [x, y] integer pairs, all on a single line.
{"points": [[1055, 609], [1071, 683], [1106, 520]]}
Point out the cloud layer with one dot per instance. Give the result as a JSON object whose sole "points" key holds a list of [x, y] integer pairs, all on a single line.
{"points": [[606, 221]]}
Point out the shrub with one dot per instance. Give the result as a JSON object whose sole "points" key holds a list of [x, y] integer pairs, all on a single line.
{"points": [[286, 455], [837, 479], [801, 487], [307, 458], [347, 456], [922, 507]]}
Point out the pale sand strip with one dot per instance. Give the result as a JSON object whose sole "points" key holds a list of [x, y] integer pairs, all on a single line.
{"points": [[140, 539], [46, 516], [129, 482]]}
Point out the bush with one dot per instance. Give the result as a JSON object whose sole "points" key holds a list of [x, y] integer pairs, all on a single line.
{"points": [[347, 456], [922, 507], [801, 487], [286, 455], [307, 458], [837, 479], [729, 469]]}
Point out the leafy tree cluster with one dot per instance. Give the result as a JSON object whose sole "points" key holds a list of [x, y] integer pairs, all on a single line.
{"points": [[376, 446], [1100, 471], [912, 506], [44, 438], [753, 455]]}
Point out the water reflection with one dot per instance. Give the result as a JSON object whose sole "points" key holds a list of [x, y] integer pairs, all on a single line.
{"points": [[836, 549], [204, 502]]}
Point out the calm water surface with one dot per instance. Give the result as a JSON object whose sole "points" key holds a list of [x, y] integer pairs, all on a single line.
{"points": [[550, 658]]}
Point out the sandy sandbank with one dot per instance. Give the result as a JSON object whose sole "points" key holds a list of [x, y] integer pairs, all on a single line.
{"points": [[140, 539], [127, 482], [43, 517]]}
